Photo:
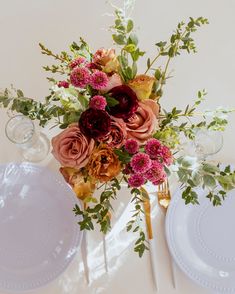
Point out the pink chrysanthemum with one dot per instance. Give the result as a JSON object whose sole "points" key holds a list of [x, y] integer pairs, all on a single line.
{"points": [[156, 172], [98, 102], [99, 80], [63, 84], [136, 180], [80, 77], [77, 62], [140, 162], [166, 155], [152, 148], [132, 146], [160, 180]]}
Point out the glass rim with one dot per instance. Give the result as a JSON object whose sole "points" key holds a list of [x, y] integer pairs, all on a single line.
{"points": [[10, 120]]}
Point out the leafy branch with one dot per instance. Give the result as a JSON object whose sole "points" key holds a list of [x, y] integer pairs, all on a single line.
{"points": [[181, 40], [62, 57], [135, 224], [211, 120], [216, 181], [100, 213], [122, 34]]}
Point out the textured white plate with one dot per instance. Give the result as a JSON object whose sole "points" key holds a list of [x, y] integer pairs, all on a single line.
{"points": [[201, 239], [38, 231]]}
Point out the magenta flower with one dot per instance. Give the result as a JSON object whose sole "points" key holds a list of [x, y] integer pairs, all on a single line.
{"points": [[99, 80], [98, 102], [166, 155], [140, 163], [80, 77], [152, 148], [156, 171], [132, 146], [63, 84], [77, 62], [136, 180], [160, 180]]}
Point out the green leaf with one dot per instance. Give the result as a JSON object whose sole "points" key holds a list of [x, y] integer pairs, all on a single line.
{"points": [[123, 156], [130, 25], [210, 168], [130, 48], [148, 62], [19, 93], [111, 101], [133, 39], [134, 69], [158, 74], [209, 181], [119, 39], [161, 44]]}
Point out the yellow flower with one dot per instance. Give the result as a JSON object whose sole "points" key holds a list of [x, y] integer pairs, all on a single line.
{"points": [[104, 164], [75, 179], [142, 85]]}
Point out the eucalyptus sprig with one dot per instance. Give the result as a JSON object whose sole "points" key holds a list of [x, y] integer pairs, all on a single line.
{"points": [[192, 174]]}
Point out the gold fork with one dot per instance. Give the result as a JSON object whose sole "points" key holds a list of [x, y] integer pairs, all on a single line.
{"points": [[164, 198]]}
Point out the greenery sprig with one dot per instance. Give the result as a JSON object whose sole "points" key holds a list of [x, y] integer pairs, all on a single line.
{"points": [[136, 223], [100, 212], [215, 180]]}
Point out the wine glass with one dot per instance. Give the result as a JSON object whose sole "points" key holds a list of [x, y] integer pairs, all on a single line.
{"points": [[34, 146], [207, 143]]}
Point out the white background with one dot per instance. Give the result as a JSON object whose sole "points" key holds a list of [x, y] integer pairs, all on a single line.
{"points": [[25, 23]]}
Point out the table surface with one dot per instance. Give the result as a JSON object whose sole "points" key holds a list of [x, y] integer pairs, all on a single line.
{"points": [[127, 273]]}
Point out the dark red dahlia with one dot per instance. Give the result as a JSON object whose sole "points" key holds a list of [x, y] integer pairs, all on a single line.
{"points": [[128, 102], [95, 123]]}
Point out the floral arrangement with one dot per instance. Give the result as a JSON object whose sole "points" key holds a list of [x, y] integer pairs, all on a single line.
{"points": [[114, 129]]}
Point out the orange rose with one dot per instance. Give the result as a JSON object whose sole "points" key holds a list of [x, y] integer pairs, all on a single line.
{"points": [[104, 164], [76, 180], [106, 58], [142, 85]]}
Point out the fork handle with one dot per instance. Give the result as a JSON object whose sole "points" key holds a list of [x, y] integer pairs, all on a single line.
{"points": [[147, 210]]}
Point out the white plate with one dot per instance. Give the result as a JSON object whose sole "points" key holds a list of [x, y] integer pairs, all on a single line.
{"points": [[201, 239], [39, 235]]}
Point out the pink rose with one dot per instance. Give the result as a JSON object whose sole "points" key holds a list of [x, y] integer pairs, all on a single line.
{"points": [[144, 122], [102, 56], [114, 81], [71, 148], [116, 138]]}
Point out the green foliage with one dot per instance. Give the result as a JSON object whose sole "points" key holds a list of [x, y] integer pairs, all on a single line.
{"points": [[123, 35], [98, 210], [135, 224], [123, 155], [193, 174], [181, 40]]}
